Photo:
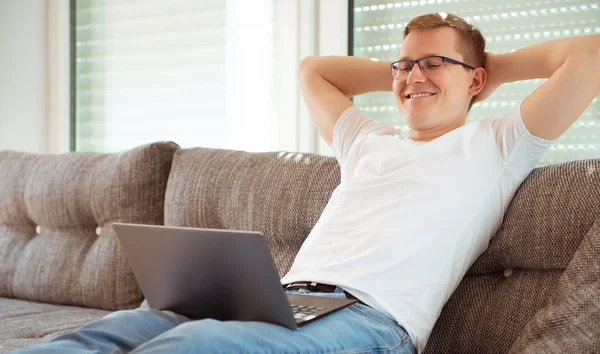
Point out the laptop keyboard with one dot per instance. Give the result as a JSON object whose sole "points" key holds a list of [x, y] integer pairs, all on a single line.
{"points": [[305, 313]]}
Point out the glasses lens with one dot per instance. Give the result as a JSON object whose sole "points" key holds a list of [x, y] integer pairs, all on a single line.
{"points": [[402, 68], [432, 64]]}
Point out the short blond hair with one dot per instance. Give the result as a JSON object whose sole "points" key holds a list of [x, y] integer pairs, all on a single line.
{"points": [[471, 44]]}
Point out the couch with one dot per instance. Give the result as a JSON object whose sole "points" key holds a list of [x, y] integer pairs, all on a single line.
{"points": [[535, 290]]}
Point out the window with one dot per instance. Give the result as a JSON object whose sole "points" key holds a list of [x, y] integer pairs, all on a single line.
{"points": [[376, 31], [195, 72]]}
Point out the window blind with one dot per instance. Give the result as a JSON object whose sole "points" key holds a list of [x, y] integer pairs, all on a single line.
{"points": [[151, 70], [508, 25]]}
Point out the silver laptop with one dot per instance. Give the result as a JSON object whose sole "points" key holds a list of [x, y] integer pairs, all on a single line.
{"points": [[219, 274]]}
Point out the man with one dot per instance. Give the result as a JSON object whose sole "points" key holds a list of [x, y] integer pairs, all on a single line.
{"points": [[410, 214]]}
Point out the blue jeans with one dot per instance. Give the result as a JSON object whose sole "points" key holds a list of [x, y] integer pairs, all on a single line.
{"points": [[354, 329]]}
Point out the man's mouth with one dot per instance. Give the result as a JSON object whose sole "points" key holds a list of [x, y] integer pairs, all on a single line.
{"points": [[419, 95]]}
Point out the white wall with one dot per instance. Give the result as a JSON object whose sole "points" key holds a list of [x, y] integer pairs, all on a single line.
{"points": [[23, 75], [333, 40], [304, 28], [57, 89]]}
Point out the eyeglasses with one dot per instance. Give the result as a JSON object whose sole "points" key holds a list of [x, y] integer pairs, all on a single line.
{"points": [[429, 66]]}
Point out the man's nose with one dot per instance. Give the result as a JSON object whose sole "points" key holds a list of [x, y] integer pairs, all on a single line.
{"points": [[415, 75]]}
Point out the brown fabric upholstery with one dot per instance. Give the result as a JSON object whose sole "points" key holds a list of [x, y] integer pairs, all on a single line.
{"points": [[280, 194], [68, 196], [547, 229], [570, 322], [25, 323]]}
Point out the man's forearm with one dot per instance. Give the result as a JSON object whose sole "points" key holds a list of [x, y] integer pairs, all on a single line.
{"points": [[543, 59], [351, 75]]}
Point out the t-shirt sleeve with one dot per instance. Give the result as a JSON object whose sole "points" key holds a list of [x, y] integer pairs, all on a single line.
{"points": [[520, 150], [350, 130]]}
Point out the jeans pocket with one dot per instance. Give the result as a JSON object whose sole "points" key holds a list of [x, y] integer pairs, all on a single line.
{"points": [[379, 318]]}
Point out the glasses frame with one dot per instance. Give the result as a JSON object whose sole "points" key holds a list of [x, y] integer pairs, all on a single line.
{"points": [[418, 61]]}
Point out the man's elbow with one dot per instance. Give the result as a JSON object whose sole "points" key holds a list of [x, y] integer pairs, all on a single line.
{"points": [[307, 72], [307, 65]]}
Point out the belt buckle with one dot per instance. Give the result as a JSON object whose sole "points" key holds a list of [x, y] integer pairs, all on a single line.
{"points": [[312, 286]]}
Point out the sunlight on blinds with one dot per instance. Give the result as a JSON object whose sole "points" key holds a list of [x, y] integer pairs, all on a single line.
{"points": [[156, 70], [506, 26]]}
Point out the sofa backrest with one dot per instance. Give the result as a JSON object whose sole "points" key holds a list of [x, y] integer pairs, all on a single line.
{"points": [[514, 292], [280, 194], [56, 243], [537, 287]]}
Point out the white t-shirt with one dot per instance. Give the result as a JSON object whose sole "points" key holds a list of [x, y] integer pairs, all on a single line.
{"points": [[409, 218]]}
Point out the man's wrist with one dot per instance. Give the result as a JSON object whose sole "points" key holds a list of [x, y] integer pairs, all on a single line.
{"points": [[496, 69]]}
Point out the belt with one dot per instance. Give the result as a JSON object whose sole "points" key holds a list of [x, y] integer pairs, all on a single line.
{"points": [[326, 288]]}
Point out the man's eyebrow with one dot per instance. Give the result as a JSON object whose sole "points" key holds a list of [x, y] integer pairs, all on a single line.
{"points": [[424, 56]]}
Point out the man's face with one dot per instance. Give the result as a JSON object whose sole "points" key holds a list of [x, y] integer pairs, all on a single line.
{"points": [[450, 86]]}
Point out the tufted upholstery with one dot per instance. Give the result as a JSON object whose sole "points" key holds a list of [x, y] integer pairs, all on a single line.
{"points": [[56, 243], [280, 194], [535, 290]]}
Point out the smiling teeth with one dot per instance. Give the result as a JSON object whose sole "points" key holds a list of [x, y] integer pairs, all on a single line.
{"points": [[421, 95]]}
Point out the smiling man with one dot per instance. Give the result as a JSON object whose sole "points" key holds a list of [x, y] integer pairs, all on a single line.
{"points": [[411, 214]]}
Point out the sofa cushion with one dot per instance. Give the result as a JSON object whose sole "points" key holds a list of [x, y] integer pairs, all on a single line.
{"points": [[550, 219], [25, 323], [570, 321], [56, 243], [280, 194]]}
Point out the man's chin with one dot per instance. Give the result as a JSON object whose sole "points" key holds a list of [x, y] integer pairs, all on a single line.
{"points": [[415, 117], [415, 111]]}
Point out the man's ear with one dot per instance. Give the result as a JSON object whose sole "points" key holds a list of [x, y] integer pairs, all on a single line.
{"points": [[478, 82]]}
